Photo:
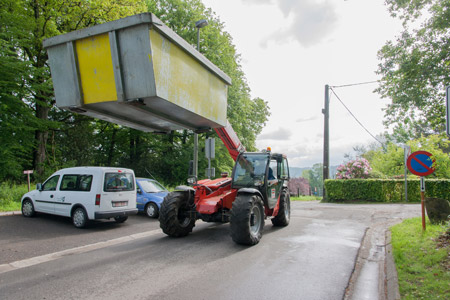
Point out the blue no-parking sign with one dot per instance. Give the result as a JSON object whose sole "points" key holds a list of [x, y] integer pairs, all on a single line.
{"points": [[420, 163]]}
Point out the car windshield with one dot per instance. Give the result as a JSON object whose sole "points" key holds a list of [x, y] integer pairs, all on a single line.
{"points": [[115, 182], [250, 169], [150, 186]]}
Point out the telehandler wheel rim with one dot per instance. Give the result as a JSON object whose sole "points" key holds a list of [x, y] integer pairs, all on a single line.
{"points": [[287, 209], [255, 220], [183, 219]]}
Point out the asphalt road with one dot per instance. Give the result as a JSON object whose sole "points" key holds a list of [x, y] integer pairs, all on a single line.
{"points": [[313, 258]]}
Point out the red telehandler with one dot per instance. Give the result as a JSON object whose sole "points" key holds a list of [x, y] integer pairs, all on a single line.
{"points": [[256, 190]]}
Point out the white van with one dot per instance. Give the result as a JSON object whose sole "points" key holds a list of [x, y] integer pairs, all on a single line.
{"points": [[84, 193]]}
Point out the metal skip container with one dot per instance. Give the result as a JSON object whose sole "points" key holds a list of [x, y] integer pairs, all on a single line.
{"points": [[138, 73]]}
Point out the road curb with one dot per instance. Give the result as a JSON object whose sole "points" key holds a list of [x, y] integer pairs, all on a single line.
{"points": [[10, 213], [392, 290]]}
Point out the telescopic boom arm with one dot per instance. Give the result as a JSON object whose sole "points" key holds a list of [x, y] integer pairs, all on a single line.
{"points": [[231, 140]]}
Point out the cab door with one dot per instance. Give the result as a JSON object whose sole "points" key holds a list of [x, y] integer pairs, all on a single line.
{"points": [[45, 199], [274, 183]]}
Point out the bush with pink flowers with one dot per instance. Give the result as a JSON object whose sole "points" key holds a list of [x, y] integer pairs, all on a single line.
{"points": [[354, 169]]}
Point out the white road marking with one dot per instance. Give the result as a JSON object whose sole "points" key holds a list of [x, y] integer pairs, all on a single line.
{"points": [[78, 250]]}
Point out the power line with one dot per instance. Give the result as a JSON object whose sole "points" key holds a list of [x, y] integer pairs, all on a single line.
{"points": [[331, 88], [353, 84]]}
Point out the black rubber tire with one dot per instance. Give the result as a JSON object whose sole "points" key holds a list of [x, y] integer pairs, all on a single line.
{"points": [[79, 217], [247, 219], [173, 218], [151, 210], [120, 219], [28, 208], [284, 212]]}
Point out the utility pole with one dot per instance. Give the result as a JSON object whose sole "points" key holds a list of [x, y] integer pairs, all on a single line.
{"points": [[326, 139]]}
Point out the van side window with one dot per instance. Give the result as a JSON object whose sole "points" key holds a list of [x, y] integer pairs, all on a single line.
{"points": [[50, 184], [85, 183], [76, 183]]}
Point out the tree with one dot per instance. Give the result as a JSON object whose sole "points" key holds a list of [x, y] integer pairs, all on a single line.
{"points": [[247, 116], [37, 135], [390, 162], [415, 68], [299, 186], [24, 24], [315, 178]]}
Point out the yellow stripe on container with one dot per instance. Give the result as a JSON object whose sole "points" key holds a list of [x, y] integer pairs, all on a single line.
{"points": [[96, 69]]}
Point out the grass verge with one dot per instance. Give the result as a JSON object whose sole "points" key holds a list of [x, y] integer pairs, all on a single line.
{"points": [[422, 262], [10, 195], [305, 198]]}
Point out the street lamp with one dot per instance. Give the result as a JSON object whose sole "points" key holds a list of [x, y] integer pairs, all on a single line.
{"points": [[199, 24]]}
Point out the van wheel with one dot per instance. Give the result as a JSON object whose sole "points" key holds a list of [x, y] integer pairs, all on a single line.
{"points": [[28, 208], [79, 218], [120, 219], [151, 210]]}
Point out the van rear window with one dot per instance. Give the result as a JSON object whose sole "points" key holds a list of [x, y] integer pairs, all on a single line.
{"points": [[116, 182]]}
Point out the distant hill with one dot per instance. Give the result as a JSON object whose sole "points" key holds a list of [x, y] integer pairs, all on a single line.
{"points": [[296, 172]]}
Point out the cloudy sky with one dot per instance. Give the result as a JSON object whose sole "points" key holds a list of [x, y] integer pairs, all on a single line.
{"points": [[290, 49]]}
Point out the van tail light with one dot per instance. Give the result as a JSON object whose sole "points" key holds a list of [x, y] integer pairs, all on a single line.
{"points": [[97, 199]]}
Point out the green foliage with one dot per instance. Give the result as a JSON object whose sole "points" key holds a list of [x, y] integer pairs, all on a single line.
{"points": [[305, 198], [247, 116], [384, 190], [37, 135], [29, 117], [10, 195], [315, 177], [390, 162], [414, 68], [421, 265]]}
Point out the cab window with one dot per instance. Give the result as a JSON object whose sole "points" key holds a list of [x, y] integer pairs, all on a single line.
{"points": [[284, 169], [273, 170]]}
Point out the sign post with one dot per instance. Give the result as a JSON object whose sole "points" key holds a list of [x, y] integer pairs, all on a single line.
{"points": [[447, 98], [421, 164], [28, 172], [422, 201], [210, 151]]}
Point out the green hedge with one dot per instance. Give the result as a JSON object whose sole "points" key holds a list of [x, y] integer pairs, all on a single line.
{"points": [[384, 190]]}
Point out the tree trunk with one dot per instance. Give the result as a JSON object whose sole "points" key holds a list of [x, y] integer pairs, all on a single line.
{"points": [[111, 148], [39, 154]]}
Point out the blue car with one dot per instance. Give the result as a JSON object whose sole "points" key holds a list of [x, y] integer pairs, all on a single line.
{"points": [[150, 195]]}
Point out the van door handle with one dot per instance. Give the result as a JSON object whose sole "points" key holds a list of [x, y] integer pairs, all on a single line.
{"points": [[51, 196]]}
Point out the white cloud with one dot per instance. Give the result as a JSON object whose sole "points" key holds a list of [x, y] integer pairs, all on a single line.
{"points": [[257, 1], [301, 120], [311, 22], [279, 134]]}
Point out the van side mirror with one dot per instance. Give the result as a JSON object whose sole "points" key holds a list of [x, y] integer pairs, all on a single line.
{"points": [[39, 186]]}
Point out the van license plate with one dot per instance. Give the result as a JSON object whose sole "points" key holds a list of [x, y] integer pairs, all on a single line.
{"points": [[120, 203]]}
